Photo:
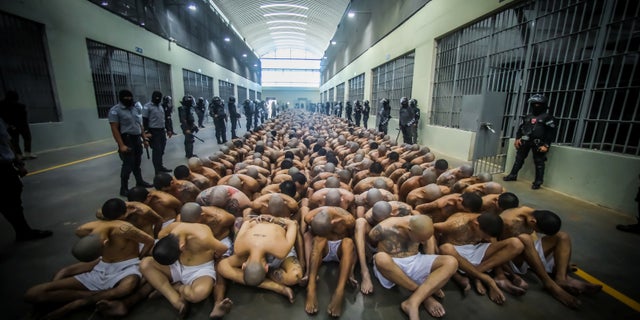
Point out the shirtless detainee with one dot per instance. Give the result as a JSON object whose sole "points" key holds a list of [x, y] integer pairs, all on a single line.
{"points": [[332, 228], [399, 261], [116, 274], [264, 247]]}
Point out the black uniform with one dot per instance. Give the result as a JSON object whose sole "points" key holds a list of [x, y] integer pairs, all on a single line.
{"points": [[219, 119], [187, 124], [413, 104], [384, 115], [366, 109], [406, 120], [200, 110], [536, 130], [247, 105], [234, 115], [357, 112], [348, 111]]}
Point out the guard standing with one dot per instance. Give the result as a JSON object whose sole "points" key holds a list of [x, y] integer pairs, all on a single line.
{"points": [[384, 115], [126, 126], [247, 105], [413, 103], [153, 119], [200, 110], [366, 109], [187, 124], [536, 132], [357, 112], [219, 119], [234, 116], [406, 120], [348, 111]]}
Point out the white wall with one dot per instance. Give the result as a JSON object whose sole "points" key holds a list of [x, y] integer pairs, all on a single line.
{"points": [[291, 94], [68, 24]]}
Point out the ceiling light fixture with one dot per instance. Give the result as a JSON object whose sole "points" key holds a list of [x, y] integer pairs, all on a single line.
{"points": [[244, 55], [288, 27], [333, 42], [285, 21], [351, 14], [284, 14], [283, 5], [227, 39], [104, 3], [288, 32], [192, 7]]}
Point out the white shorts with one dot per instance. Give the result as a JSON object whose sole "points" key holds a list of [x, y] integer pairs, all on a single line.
{"points": [[275, 263], [332, 254], [229, 243], [107, 275], [168, 222], [416, 267], [188, 274], [548, 262], [474, 253]]}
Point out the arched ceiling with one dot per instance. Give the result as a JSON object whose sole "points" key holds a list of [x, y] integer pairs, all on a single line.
{"points": [[268, 25]]}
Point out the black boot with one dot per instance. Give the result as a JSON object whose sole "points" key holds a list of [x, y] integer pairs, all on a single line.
{"points": [[124, 187], [539, 177]]}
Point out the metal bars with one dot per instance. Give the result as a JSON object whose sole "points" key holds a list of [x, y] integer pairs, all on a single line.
{"points": [[226, 89], [392, 80], [582, 54], [114, 69], [356, 88], [340, 93]]}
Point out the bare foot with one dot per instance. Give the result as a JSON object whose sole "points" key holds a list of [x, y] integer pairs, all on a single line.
{"points": [[575, 286], [311, 306], [463, 283], [480, 289], [366, 287], [433, 307], [496, 295], [519, 282], [507, 286], [564, 297], [412, 311], [335, 306], [352, 281], [287, 292], [439, 294], [155, 294], [221, 308], [113, 308]]}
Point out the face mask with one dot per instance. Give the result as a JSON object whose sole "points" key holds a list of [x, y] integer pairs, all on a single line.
{"points": [[537, 109], [127, 102], [156, 99]]}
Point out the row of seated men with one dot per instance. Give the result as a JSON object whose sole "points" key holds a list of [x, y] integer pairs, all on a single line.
{"points": [[269, 208]]}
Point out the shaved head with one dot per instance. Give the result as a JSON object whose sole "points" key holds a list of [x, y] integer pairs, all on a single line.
{"points": [[190, 212], [380, 183], [332, 182], [194, 163], [88, 248], [432, 192], [421, 227], [333, 198], [374, 195], [276, 205], [254, 273], [381, 210], [492, 188], [321, 223]]}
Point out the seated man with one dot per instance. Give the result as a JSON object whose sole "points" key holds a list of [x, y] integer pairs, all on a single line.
{"points": [[451, 176], [380, 211], [546, 250], [271, 255], [182, 172], [399, 261], [248, 185], [115, 275], [466, 236], [496, 203], [332, 228], [196, 165], [375, 182], [424, 178], [484, 188], [165, 204], [426, 194], [225, 197], [367, 199], [442, 208], [183, 190], [275, 204], [182, 268]]}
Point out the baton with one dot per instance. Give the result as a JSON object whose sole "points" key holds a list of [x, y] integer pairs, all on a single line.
{"points": [[398, 135], [147, 150], [197, 137]]}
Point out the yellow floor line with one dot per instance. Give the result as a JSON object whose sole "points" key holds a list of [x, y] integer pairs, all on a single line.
{"points": [[611, 291], [70, 163]]}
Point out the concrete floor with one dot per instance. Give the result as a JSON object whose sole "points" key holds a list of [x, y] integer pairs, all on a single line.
{"points": [[63, 198]]}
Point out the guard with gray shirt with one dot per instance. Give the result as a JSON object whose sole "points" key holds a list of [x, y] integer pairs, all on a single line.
{"points": [[126, 126], [153, 119]]}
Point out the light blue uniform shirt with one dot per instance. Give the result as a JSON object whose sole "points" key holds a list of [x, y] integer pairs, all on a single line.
{"points": [[155, 113], [130, 119]]}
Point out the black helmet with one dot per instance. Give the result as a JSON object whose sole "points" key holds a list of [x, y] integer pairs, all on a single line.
{"points": [[404, 101], [187, 101], [413, 103], [216, 100], [232, 99], [166, 99], [538, 98]]}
